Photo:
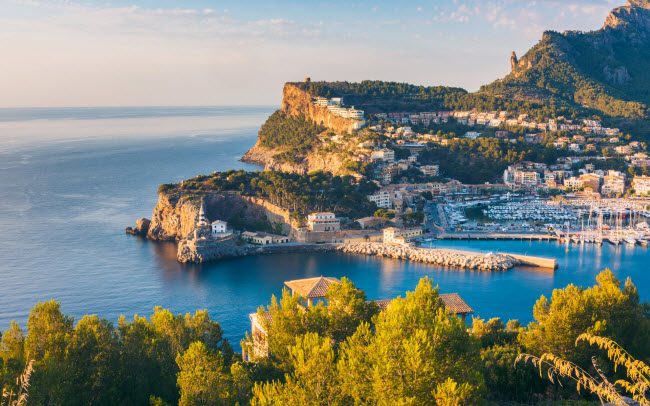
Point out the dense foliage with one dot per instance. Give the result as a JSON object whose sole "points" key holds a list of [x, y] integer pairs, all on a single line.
{"points": [[407, 354], [98, 363], [377, 96], [343, 353], [483, 159], [294, 133], [301, 194], [571, 69]]}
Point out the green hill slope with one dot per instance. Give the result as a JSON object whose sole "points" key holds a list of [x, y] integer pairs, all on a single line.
{"points": [[607, 70]]}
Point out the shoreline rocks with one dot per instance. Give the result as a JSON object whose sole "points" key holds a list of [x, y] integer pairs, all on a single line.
{"points": [[141, 227], [441, 257], [207, 249]]}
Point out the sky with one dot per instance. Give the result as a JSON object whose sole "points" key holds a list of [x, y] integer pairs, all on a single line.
{"points": [[59, 53]]}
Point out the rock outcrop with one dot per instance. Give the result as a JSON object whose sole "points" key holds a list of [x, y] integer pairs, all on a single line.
{"points": [[175, 216], [513, 61], [442, 257], [209, 250], [634, 16], [297, 101], [141, 227]]}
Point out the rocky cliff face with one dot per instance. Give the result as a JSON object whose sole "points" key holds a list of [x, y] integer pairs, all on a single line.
{"points": [[315, 161], [175, 216], [296, 101], [634, 16]]}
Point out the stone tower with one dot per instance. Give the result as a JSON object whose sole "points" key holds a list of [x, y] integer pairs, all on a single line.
{"points": [[307, 80], [513, 61]]}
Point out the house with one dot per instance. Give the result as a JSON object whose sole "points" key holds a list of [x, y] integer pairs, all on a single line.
{"points": [[264, 238], [314, 290], [384, 154], [311, 290], [430, 170], [641, 184], [573, 183], [323, 222], [220, 229], [393, 235], [368, 222], [382, 199]]}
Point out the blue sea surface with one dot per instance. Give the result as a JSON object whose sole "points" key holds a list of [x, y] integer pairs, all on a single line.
{"points": [[71, 180]]}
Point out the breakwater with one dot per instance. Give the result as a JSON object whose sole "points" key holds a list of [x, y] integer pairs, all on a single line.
{"points": [[446, 257]]}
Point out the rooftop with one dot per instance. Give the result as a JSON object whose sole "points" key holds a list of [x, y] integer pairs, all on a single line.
{"points": [[312, 287]]}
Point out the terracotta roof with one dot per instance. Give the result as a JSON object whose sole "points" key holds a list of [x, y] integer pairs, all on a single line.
{"points": [[455, 303], [452, 301], [312, 287], [383, 304]]}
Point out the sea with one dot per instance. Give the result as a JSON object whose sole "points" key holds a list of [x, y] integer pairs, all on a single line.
{"points": [[72, 179]]}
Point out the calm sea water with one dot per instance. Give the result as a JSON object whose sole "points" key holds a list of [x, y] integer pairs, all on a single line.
{"points": [[71, 180]]}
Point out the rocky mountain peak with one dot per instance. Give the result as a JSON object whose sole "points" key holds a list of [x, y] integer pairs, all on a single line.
{"points": [[634, 15], [638, 3]]}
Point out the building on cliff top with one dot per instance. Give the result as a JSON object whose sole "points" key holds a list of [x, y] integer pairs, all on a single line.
{"points": [[310, 289]]}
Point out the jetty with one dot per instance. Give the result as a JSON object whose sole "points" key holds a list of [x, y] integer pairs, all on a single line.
{"points": [[448, 257]]}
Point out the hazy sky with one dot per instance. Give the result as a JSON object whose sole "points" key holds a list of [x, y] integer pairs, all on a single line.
{"points": [[201, 52]]}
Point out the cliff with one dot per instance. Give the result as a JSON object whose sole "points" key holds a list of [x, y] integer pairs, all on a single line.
{"points": [[175, 215], [296, 101], [313, 161]]}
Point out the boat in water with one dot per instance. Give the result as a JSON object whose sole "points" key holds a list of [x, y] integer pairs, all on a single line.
{"points": [[630, 240]]}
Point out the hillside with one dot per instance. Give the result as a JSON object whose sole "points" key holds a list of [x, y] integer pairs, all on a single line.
{"points": [[605, 70]]}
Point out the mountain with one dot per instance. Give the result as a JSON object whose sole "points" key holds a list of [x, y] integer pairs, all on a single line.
{"points": [[607, 70]]}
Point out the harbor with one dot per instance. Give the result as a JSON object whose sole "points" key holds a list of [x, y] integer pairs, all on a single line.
{"points": [[569, 221]]}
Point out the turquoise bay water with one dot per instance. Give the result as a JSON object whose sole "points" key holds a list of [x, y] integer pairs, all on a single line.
{"points": [[73, 179]]}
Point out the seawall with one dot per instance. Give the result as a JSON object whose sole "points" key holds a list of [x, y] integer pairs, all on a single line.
{"points": [[448, 257]]}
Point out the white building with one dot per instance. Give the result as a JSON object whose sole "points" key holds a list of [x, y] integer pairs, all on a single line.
{"points": [[382, 199], [641, 184], [323, 222], [220, 229], [385, 154], [430, 170]]}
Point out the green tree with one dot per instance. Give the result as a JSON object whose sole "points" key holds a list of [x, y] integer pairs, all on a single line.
{"points": [[202, 378], [347, 309], [604, 309], [48, 332], [314, 380], [416, 346]]}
